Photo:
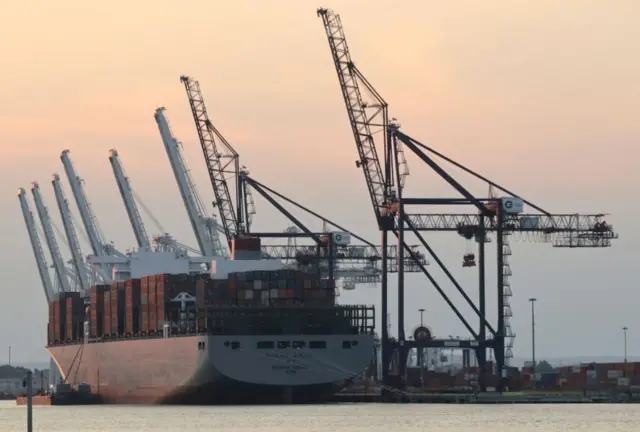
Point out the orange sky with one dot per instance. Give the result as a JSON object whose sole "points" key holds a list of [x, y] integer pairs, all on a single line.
{"points": [[542, 95]]}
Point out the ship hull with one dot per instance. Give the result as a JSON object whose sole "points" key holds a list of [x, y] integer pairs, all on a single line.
{"points": [[216, 369]]}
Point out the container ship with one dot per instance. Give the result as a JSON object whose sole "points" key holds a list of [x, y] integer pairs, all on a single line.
{"points": [[245, 332]]}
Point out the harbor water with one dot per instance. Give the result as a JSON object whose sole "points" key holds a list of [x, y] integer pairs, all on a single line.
{"points": [[324, 418]]}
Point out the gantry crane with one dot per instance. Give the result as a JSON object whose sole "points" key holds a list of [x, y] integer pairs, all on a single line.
{"points": [[70, 232], [100, 247], [501, 215], [58, 263], [369, 119], [129, 202], [223, 161], [205, 228], [38, 252]]}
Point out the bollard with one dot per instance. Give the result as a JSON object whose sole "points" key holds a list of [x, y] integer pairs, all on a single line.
{"points": [[29, 401]]}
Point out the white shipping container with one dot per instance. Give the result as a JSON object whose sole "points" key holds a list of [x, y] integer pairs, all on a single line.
{"points": [[623, 382], [274, 293], [264, 295], [248, 295], [257, 284]]}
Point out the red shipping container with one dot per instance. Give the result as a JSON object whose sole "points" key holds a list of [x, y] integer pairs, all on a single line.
{"points": [[97, 309], [60, 318], [144, 305], [106, 317], [153, 325], [117, 309], [132, 306], [163, 285]]}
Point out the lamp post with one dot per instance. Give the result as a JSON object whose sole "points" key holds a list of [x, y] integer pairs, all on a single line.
{"points": [[421, 314], [533, 335], [624, 329]]}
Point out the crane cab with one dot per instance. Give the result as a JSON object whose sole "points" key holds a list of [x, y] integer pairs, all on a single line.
{"points": [[469, 260]]}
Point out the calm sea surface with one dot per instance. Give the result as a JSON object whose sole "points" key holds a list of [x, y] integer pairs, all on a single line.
{"points": [[347, 417]]}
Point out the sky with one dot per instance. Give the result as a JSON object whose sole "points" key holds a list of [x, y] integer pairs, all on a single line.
{"points": [[540, 96]]}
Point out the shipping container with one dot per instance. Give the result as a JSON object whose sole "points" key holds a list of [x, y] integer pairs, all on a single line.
{"points": [[144, 305], [117, 309], [70, 331], [106, 317], [132, 307], [164, 284], [97, 309], [60, 319], [153, 305]]}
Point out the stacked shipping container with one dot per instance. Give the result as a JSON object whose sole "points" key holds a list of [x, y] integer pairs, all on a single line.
{"points": [[75, 315], [132, 307], [106, 314], [97, 309], [117, 309], [66, 318], [153, 306], [142, 306]]}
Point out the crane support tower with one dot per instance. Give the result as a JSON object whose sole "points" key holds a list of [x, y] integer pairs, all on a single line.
{"points": [[503, 217]]}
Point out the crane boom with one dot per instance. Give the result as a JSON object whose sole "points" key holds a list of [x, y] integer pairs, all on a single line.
{"points": [[47, 227], [361, 114], [70, 232], [90, 222], [208, 240], [213, 155], [38, 252], [129, 202]]}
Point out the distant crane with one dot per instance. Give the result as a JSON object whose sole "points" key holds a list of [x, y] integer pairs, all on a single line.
{"points": [[70, 232], [129, 202], [504, 216], [38, 252], [205, 228], [56, 256]]}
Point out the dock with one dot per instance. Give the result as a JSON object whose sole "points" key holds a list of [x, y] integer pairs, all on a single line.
{"points": [[396, 396]]}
